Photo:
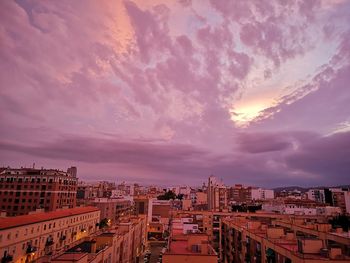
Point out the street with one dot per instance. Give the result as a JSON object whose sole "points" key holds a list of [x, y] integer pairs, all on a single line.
{"points": [[156, 247]]}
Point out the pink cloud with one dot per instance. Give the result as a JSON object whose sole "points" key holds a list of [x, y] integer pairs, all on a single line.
{"points": [[77, 75]]}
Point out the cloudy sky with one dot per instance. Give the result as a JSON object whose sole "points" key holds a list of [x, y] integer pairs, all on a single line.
{"points": [[164, 91]]}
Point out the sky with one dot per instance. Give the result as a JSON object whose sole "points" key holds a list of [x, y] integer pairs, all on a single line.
{"points": [[169, 92]]}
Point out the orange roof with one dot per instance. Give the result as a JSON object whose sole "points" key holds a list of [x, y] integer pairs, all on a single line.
{"points": [[9, 222]]}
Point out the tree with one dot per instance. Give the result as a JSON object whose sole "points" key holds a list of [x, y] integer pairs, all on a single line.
{"points": [[342, 221], [180, 196], [167, 196], [104, 223]]}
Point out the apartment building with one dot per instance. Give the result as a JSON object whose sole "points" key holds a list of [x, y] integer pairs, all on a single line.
{"points": [[27, 189], [112, 208], [208, 222], [239, 194], [122, 243], [283, 240], [188, 246], [262, 194], [300, 207], [29, 237], [216, 195], [143, 206]]}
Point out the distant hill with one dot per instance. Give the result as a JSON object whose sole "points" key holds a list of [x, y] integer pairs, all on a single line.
{"points": [[305, 189]]}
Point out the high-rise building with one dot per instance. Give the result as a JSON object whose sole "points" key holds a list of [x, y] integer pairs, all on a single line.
{"points": [[216, 194], [27, 189]]}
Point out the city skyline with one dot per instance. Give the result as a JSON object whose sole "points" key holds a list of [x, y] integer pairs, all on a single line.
{"points": [[170, 92]]}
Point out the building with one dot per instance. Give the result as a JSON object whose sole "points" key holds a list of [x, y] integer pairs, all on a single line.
{"points": [[111, 208], [347, 202], [207, 222], [143, 206], [28, 189], [187, 245], [317, 195], [261, 194], [300, 207], [285, 239], [239, 194], [339, 199], [29, 237], [122, 243], [217, 195]]}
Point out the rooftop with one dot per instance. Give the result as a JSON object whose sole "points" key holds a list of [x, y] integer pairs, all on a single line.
{"points": [[10, 222], [70, 257]]}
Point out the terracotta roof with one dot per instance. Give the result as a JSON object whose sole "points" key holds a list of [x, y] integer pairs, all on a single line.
{"points": [[9, 222]]}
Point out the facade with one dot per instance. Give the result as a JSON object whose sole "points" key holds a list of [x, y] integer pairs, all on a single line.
{"points": [[339, 200], [262, 194], [186, 245], [217, 195], [317, 195], [29, 237], [27, 189], [143, 206], [122, 243], [347, 202], [239, 194], [285, 239], [300, 207], [207, 222], [112, 209]]}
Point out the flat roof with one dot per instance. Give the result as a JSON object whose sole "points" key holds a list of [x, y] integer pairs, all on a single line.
{"points": [[10, 222], [70, 256], [179, 247]]}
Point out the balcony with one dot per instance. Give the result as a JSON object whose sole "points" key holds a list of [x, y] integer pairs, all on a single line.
{"points": [[49, 243], [30, 249], [6, 259]]}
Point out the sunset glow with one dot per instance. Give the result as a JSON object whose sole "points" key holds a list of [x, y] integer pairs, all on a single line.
{"points": [[159, 91]]}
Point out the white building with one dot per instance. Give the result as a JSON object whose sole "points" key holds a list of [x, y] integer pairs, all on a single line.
{"points": [[317, 195], [262, 194], [347, 202]]}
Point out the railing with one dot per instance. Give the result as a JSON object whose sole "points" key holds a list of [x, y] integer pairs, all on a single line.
{"points": [[31, 249], [49, 243], [7, 258]]}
